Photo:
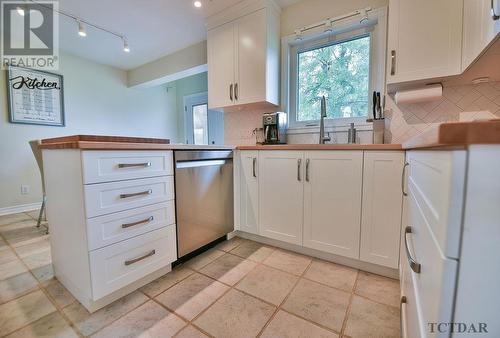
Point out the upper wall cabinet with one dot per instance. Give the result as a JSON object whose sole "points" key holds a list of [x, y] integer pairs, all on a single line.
{"points": [[425, 39], [243, 56], [481, 25]]}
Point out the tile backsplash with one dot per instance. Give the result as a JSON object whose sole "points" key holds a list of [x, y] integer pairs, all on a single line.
{"points": [[402, 122]]}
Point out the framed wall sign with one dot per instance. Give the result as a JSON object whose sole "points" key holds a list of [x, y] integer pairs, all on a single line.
{"points": [[35, 97]]}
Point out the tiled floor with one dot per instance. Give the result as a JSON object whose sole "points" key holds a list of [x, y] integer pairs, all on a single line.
{"points": [[238, 289]]}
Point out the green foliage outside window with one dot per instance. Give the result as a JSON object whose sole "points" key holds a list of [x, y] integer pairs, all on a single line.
{"points": [[341, 73]]}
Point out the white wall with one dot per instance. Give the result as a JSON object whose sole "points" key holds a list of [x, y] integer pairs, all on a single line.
{"points": [[97, 101]]}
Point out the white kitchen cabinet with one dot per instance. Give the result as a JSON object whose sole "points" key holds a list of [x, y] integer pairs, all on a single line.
{"points": [[381, 208], [248, 194], [281, 195], [479, 28], [425, 39], [243, 57], [332, 201]]}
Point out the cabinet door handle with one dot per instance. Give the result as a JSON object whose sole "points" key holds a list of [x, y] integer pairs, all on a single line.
{"points": [[403, 179], [236, 91], [231, 92], [254, 163], [128, 225], [403, 301], [135, 260], [147, 192], [299, 164], [494, 15], [413, 264], [393, 62], [307, 170], [129, 165]]}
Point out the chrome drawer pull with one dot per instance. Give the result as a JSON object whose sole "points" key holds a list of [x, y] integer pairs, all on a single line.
{"points": [[413, 264], [135, 260], [147, 192], [403, 179], [131, 165], [494, 15], [393, 62], [403, 301], [299, 175], [307, 170], [254, 162], [128, 225]]}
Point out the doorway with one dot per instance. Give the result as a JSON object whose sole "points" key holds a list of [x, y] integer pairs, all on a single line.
{"points": [[202, 125]]}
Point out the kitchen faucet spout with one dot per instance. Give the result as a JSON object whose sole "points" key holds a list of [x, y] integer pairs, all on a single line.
{"points": [[322, 138]]}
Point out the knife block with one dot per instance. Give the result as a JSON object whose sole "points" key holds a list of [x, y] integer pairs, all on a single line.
{"points": [[378, 131]]}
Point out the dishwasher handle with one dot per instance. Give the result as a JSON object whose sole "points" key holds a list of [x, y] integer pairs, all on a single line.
{"points": [[201, 163]]}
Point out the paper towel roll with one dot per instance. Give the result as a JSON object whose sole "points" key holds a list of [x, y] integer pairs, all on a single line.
{"points": [[428, 93]]}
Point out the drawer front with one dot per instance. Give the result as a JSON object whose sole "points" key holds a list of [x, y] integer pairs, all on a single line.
{"points": [[411, 318], [107, 166], [435, 283], [120, 264], [438, 178], [106, 198], [113, 228]]}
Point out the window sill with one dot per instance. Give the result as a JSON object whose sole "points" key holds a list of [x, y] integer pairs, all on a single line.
{"points": [[330, 127]]}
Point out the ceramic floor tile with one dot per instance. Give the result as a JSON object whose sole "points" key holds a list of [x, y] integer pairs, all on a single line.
{"points": [[288, 261], [9, 219], [268, 284], [161, 284], [370, 319], [228, 269], [192, 295], [16, 286], [58, 292], [318, 303], [34, 214], [20, 232], [252, 250], [290, 326], [191, 332], [203, 259], [43, 273], [230, 244], [3, 245], [24, 310], [235, 315], [148, 320], [38, 260], [335, 275], [88, 323], [50, 326], [11, 269], [37, 247], [378, 288], [7, 255]]}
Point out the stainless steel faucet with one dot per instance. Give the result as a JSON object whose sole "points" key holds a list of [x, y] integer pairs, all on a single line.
{"points": [[322, 138]]}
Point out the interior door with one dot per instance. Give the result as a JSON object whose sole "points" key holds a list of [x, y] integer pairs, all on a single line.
{"points": [[221, 58], [332, 202], [281, 194], [202, 125]]}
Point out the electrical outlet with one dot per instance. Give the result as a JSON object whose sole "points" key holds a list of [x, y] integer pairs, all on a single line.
{"points": [[25, 189]]}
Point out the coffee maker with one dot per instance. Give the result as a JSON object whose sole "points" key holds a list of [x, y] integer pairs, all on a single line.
{"points": [[274, 128]]}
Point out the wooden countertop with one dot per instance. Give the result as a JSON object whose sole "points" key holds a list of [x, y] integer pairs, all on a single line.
{"points": [[322, 147], [457, 134]]}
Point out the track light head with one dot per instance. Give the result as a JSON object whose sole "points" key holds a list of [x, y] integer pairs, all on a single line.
{"points": [[81, 29], [126, 47]]}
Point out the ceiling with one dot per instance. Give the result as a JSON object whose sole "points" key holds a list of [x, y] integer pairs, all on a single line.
{"points": [[154, 28]]}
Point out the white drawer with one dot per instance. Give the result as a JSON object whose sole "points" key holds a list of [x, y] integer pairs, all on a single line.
{"points": [[109, 165], [435, 283], [106, 198], [120, 264], [113, 228], [438, 178]]}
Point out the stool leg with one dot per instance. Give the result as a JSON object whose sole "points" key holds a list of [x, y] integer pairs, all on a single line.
{"points": [[42, 208]]}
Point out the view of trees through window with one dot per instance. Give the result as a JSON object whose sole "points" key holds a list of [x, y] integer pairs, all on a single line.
{"points": [[340, 72]]}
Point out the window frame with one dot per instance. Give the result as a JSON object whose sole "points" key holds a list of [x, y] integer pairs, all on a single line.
{"points": [[347, 30]]}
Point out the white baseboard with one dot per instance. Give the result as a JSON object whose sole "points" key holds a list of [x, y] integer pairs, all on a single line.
{"points": [[20, 208]]}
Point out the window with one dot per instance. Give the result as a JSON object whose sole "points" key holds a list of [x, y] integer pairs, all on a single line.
{"points": [[200, 124], [341, 73], [345, 64]]}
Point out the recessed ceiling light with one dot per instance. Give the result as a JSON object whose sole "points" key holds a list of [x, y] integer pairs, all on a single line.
{"points": [[197, 4]]}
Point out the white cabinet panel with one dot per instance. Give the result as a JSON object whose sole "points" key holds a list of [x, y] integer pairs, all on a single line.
{"points": [[107, 166], [281, 194], [120, 264], [381, 211], [425, 39], [332, 201], [249, 192], [221, 58]]}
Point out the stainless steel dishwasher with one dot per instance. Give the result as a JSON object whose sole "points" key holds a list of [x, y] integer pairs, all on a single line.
{"points": [[204, 197]]}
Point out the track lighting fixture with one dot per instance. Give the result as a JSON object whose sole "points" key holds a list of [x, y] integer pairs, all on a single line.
{"points": [[126, 47], [81, 29]]}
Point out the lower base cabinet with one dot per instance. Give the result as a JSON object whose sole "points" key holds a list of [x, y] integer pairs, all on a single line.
{"points": [[317, 199]]}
